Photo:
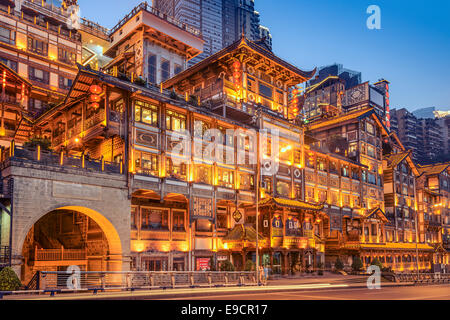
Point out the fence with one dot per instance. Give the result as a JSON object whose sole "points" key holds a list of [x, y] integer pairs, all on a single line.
{"points": [[423, 278], [134, 280]]}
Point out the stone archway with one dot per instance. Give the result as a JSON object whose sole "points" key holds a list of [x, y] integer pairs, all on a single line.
{"points": [[113, 258]]}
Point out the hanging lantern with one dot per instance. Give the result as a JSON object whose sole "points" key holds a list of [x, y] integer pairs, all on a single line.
{"points": [[95, 105], [95, 89], [236, 65], [94, 98]]}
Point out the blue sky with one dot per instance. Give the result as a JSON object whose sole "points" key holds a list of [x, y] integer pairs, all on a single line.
{"points": [[412, 49]]}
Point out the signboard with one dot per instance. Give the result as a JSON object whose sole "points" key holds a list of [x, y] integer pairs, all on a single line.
{"points": [[293, 227], [203, 264]]}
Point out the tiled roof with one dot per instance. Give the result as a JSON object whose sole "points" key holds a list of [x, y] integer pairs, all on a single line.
{"points": [[293, 204], [340, 119], [433, 168], [378, 212], [395, 158], [242, 233]]}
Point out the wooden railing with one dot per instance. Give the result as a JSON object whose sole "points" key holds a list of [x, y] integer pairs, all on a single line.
{"points": [[59, 254]]}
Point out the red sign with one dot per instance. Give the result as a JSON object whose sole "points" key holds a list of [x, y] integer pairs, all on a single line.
{"points": [[202, 264]]}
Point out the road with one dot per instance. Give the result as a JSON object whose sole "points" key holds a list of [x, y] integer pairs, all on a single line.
{"points": [[433, 292]]}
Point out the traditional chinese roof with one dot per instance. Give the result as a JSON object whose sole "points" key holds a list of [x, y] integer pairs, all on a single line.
{"points": [[242, 232], [394, 159], [433, 168], [376, 212], [11, 73], [354, 115], [253, 47], [394, 136], [292, 204]]}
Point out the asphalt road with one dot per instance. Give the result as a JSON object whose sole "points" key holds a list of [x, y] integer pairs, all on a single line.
{"points": [[433, 292]]}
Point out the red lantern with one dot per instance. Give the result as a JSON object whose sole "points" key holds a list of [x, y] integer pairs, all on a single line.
{"points": [[295, 92], [95, 105], [236, 65], [95, 98], [95, 89]]}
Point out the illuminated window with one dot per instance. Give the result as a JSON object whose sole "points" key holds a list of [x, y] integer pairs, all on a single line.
{"points": [[203, 173], [283, 189], [154, 219], [146, 113], [178, 221], [225, 178], [370, 128], [246, 181], [321, 164], [345, 171], [146, 163], [39, 75], [37, 46], [176, 169], [201, 130], [66, 56], [175, 121]]}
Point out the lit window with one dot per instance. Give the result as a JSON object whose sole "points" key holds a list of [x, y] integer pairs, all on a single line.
{"points": [[146, 113]]}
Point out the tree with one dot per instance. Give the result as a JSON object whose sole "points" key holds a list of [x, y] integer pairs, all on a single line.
{"points": [[9, 280], [376, 262], [226, 266], [338, 264], [249, 265], [357, 264]]}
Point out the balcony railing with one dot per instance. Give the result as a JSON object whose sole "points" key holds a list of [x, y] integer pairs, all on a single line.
{"points": [[21, 154]]}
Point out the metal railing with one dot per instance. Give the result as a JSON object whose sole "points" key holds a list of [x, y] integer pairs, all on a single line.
{"points": [[423, 278], [135, 280]]}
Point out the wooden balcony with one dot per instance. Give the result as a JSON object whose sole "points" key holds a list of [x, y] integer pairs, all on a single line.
{"points": [[58, 257]]}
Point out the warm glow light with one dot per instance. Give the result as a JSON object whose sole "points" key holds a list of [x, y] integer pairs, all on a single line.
{"points": [[77, 140], [139, 246]]}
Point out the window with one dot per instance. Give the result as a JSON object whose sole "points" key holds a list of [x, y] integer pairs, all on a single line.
{"points": [[37, 46], [370, 128], [372, 178], [222, 218], [152, 68], [38, 75], [203, 173], [177, 169], [146, 113], [36, 104], [65, 83], [9, 63], [333, 167], [298, 191], [178, 221], [226, 178], [371, 151], [134, 217], [66, 56], [201, 129], [284, 189], [7, 36], [355, 174], [175, 121], [146, 163], [246, 181], [165, 70], [345, 171], [265, 91], [155, 219], [203, 225], [177, 68], [321, 164]]}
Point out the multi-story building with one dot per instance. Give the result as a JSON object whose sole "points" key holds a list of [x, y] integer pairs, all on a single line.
{"points": [[220, 22], [434, 215], [351, 78]]}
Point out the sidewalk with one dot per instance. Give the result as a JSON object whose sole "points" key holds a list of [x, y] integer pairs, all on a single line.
{"points": [[308, 283]]}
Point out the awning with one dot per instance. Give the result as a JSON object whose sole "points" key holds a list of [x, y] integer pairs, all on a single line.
{"points": [[292, 204]]}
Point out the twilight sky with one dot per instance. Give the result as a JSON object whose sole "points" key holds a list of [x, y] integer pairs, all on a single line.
{"points": [[412, 49]]}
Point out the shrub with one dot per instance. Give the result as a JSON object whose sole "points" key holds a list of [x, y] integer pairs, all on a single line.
{"points": [[376, 262], [36, 141], [249, 265], [226, 266], [338, 264], [9, 280], [357, 264]]}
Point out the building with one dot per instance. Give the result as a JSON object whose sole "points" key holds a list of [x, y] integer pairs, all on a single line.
{"points": [[351, 78], [221, 23]]}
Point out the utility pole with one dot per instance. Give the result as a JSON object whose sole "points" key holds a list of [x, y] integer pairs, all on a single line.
{"points": [[258, 173]]}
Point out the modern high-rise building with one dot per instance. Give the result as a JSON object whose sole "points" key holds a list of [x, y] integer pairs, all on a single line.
{"points": [[221, 22], [351, 78]]}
